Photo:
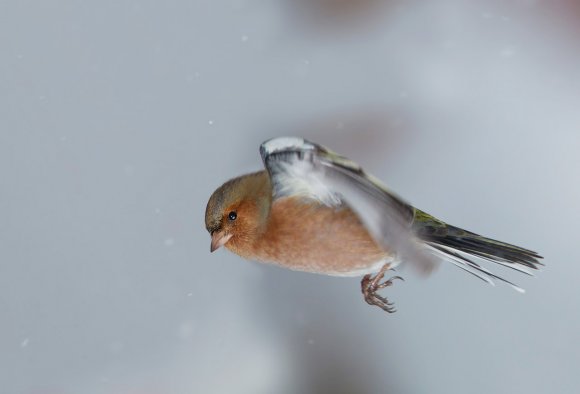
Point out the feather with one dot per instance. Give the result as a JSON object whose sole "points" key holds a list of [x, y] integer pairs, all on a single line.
{"points": [[301, 168], [462, 246]]}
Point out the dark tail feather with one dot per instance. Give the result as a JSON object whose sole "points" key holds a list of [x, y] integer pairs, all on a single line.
{"points": [[461, 246], [487, 248]]}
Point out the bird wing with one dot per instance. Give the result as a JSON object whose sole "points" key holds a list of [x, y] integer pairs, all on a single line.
{"points": [[298, 167]]}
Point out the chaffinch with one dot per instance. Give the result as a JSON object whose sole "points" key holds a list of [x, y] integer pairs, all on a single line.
{"points": [[315, 211]]}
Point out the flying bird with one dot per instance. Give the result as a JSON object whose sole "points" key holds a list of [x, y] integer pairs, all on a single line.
{"points": [[316, 211]]}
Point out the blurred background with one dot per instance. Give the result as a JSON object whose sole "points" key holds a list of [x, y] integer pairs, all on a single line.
{"points": [[118, 119]]}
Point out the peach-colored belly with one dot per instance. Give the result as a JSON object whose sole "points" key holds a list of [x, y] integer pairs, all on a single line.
{"points": [[315, 238]]}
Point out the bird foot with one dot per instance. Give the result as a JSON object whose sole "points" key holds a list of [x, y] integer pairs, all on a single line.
{"points": [[370, 285]]}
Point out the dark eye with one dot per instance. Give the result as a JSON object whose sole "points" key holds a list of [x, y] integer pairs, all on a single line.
{"points": [[232, 215]]}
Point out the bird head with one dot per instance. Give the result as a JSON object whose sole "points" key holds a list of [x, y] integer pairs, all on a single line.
{"points": [[237, 211]]}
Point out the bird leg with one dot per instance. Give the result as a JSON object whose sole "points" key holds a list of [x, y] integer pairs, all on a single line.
{"points": [[370, 285]]}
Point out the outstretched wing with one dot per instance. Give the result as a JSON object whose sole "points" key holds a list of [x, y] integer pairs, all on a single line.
{"points": [[298, 167]]}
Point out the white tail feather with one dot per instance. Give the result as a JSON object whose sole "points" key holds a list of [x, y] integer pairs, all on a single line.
{"points": [[459, 259]]}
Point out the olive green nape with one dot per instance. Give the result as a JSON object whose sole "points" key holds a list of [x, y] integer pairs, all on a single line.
{"points": [[254, 185]]}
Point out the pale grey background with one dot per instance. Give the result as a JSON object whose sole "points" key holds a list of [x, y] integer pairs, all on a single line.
{"points": [[119, 118]]}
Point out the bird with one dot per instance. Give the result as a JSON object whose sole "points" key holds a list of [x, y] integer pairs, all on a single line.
{"points": [[311, 209]]}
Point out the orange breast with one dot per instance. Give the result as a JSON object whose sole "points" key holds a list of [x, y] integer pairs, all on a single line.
{"points": [[315, 238]]}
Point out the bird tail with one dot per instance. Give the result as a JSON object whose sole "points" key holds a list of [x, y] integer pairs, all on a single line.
{"points": [[462, 248]]}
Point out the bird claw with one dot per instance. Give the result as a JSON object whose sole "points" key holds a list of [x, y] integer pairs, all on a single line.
{"points": [[389, 282], [370, 285]]}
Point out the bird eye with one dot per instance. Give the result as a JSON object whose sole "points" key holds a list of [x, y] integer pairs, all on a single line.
{"points": [[232, 215]]}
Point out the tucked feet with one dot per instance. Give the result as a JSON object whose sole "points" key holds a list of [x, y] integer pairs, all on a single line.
{"points": [[371, 284]]}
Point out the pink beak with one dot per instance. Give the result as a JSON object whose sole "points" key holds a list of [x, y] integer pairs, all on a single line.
{"points": [[218, 240]]}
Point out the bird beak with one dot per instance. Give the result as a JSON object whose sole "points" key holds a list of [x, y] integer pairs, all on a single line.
{"points": [[218, 239]]}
